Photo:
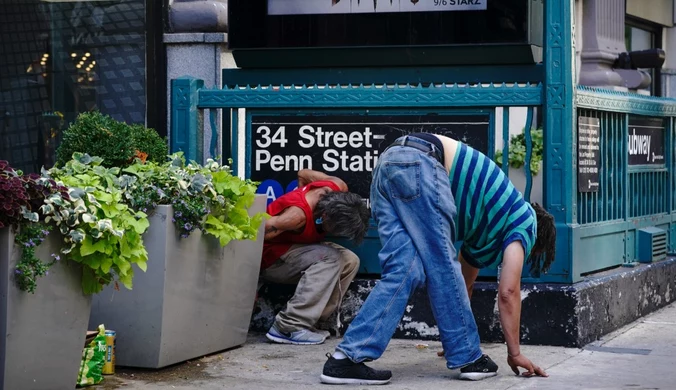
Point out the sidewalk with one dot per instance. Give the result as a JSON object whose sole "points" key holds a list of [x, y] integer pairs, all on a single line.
{"points": [[638, 356]]}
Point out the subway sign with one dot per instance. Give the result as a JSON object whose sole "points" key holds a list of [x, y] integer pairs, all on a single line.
{"points": [[646, 140], [343, 145]]}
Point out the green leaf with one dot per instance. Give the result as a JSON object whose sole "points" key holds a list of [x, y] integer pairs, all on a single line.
{"points": [[76, 193], [123, 266], [104, 197], [127, 280], [106, 264], [90, 284], [142, 265], [88, 218], [32, 217], [77, 235], [139, 225], [125, 250], [89, 247]]}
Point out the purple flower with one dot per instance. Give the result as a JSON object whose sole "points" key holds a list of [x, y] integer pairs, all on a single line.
{"points": [[184, 236], [145, 210], [26, 244], [45, 232], [177, 214], [187, 226], [18, 272], [56, 257], [31, 243]]}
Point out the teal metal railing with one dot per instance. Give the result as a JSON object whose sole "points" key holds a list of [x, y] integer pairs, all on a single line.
{"points": [[630, 196], [595, 230]]}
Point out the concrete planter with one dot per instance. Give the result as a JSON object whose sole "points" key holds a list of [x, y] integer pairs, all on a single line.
{"points": [[196, 298], [43, 334], [518, 178]]}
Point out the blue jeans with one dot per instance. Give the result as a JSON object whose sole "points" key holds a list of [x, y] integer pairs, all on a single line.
{"points": [[412, 203]]}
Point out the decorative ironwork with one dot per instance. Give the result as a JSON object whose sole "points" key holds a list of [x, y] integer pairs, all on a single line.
{"points": [[615, 101], [443, 95]]}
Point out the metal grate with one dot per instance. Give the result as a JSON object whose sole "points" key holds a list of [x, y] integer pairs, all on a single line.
{"points": [[647, 192], [660, 246], [652, 244]]}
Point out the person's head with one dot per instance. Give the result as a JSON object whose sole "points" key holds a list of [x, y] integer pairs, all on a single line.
{"points": [[343, 214], [544, 250]]}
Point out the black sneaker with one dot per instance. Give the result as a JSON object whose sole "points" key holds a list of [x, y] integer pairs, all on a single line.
{"points": [[345, 372], [482, 368]]}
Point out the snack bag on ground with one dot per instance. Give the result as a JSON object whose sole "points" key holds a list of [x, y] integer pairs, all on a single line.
{"points": [[93, 358]]}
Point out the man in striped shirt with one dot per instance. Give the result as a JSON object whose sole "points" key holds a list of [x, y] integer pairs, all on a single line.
{"points": [[429, 191]]}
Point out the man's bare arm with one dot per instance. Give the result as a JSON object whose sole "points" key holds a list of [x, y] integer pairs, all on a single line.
{"points": [[291, 219], [509, 305], [509, 302], [307, 176]]}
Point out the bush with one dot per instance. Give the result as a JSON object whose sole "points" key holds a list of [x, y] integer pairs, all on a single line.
{"points": [[117, 143], [517, 151]]}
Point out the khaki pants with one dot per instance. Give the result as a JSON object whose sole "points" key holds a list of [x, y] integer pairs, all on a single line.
{"points": [[323, 272]]}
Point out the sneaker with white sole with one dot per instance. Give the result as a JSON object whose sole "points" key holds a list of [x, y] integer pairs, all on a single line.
{"points": [[322, 332], [300, 337], [482, 368], [346, 372]]}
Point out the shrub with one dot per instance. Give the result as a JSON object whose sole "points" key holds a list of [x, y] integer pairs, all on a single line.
{"points": [[117, 143], [517, 151]]}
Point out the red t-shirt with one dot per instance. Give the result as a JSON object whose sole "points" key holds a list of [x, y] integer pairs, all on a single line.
{"points": [[275, 248]]}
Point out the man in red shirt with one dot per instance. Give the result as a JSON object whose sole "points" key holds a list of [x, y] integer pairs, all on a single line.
{"points": [[295, 252]]}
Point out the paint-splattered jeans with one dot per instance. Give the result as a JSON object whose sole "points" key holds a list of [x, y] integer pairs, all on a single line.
{"points": [[323, 273], [412, 202]]}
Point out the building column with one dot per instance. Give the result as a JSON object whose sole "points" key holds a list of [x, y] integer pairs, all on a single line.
{"points": [[197, 47], [198, 16], [602, 42]]}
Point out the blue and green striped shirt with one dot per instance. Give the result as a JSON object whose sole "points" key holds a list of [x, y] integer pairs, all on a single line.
{"points": [[491, 213]]}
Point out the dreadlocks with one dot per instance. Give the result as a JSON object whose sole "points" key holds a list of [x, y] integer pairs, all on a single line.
{"points": [[544, 249]]}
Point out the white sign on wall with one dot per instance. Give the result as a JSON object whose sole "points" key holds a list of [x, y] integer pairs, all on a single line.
{"points": [[308, 7]]}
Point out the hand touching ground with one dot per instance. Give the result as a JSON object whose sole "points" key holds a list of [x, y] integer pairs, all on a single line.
{"points": [[522, 361]]}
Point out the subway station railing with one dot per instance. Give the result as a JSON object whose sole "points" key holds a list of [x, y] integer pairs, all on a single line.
{"points": [[608, 225], [634, 204]]}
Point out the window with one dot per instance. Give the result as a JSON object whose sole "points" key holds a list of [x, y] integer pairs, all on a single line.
{"points": [[642, 35], [61, 58]]}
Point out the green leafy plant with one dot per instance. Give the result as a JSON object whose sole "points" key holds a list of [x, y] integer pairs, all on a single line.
{"points": [[117, 143], [99, 229], [20, 197], [208, 198], [517, 151]]}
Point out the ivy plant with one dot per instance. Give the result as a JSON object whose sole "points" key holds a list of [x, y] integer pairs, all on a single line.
{"points": [[206, 198], [99, 229], [517, 151]]}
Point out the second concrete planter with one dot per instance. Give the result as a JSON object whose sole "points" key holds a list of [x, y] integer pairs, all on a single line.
{"points": [[43, 334], [196, 297]]}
